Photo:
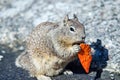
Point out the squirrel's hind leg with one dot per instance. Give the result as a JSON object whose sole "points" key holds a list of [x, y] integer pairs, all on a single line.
{"points": [[42, 77]]}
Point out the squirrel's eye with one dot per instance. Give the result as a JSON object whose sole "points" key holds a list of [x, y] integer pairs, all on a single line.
{"points": [[72, 29]]}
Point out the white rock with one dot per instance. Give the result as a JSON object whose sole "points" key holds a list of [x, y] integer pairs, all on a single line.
{"points": [[1, 57], [3, 51]]}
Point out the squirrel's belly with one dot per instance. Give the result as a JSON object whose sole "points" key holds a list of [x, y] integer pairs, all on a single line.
{"points": [[49, 66]]}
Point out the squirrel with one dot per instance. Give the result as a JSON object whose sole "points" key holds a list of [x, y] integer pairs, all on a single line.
{"points": [[51, 46]]}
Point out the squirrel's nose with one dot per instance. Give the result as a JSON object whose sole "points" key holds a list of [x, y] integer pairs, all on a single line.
{"points": [[83, 37]]}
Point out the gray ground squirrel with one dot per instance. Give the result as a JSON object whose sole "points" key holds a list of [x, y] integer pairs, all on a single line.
{"points": [[50, 47]]}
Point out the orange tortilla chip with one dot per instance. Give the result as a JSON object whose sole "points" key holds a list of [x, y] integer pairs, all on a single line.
{"points": [[85, 56]]}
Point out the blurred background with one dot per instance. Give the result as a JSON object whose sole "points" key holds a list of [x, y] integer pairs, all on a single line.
{"points": [[101, 19]]}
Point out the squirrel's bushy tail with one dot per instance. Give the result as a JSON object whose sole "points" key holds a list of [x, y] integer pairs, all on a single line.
{"points": [[20, 60]]}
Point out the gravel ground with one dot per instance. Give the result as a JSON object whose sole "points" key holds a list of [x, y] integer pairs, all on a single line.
{"points": [[18, 17]]}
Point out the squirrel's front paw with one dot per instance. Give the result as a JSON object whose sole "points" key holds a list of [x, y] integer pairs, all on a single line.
{"points": [[68, 72], [76, 48]]}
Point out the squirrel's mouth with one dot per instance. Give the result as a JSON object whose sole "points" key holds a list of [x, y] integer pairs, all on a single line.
{"points": [[78, 42]]}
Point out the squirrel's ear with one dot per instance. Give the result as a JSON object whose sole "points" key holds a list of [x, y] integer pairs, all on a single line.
{"points": [[75, 17], [66, 19]]}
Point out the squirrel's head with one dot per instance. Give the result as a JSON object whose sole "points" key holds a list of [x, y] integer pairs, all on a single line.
{"points": [[73, 31]]}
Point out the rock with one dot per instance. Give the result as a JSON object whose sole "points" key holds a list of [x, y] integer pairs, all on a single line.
{"points": [[1, 57]]}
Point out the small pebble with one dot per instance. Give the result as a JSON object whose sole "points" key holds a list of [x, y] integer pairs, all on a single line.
{"points": [[1, 57], [3, 51]]}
